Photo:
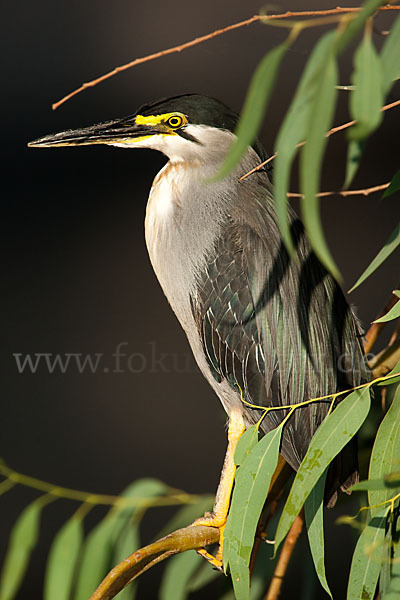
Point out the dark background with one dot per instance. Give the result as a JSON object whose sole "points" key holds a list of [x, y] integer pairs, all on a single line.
{"points": [[76, 275]]}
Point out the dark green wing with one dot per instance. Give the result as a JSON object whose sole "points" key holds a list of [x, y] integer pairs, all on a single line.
{"points": [[279, 328]]}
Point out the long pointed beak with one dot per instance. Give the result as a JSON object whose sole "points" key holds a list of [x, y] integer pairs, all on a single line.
{"points": [[110, 132]]}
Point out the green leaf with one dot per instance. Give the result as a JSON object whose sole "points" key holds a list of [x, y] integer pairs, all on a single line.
{"points": [[394, 185], [393, 313], [389, 57], [186, 515], [366, 562], [391, 378], [377, 484], [251, 487], [356, 24], [62, 559], [127, 543], [393, 591], [96, 558], [354, 153], [245, 444], [178, 574], [321, 111], [386, 558], [314, 517], [255, 105], [331, 436], [100, 543], [367, 98], [385, 456], [294, 129], [23, 540], [202, 577], [389, 247]]}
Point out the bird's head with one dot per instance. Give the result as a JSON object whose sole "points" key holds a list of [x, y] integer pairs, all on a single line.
{"points": [[188, 127]]}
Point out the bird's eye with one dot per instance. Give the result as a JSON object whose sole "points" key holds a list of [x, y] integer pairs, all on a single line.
{"points": [[175, 121]]}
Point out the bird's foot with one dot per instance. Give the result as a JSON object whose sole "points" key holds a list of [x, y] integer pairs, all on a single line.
{"points": [[213, 520]]}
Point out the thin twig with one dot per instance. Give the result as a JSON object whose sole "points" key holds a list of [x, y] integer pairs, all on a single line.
{"points": [[209, 36], [328, 134], [176, 497], [344, 193], [284, 558]]}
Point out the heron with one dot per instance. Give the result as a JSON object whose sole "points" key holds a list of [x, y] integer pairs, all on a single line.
{"points": [[266, 326]]}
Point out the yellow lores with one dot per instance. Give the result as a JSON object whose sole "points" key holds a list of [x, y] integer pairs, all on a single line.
{"points": [[170, 121]]}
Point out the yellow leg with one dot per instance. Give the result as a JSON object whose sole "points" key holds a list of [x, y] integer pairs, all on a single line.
{"points": [[219, 514]]}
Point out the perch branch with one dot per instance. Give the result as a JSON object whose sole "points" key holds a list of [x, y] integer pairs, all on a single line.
{"points": [[188, 538], [209, 36], [137, 563]]}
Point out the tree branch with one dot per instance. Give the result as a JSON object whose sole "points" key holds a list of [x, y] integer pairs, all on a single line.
{"points": [[209, 36], [376, 328], [284, 558], [345, 193], [137, 563]]}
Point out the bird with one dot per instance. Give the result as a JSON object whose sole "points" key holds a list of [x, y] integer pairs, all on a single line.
{"points": [[267, 328]]}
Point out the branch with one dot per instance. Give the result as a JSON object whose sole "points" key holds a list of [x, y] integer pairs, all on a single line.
{"points": [[345, 193], [284, 558], [209, 36], [176, 497], [385, 360], [376, 328], [188, 538], [137, 563]]}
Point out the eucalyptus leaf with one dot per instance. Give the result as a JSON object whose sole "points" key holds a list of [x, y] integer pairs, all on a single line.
{"points": [[177, 576], [391, 51], [96, 558], [390, 245], [128, 542], [366, 562], [322, 108], [367, 98], [385, 456], [62, 559], [203, 576], [391, 378], [251, 487], [331, 436], [294, 129], [99, 545], [393, 313], [255, 105], [314, 518], [186, 515], [23, 540], [355, 25], [377, 484], [246, 443], [394, 185], [354, 153]]}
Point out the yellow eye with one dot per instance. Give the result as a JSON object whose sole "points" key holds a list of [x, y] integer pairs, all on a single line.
{"points": [[175, 121]]}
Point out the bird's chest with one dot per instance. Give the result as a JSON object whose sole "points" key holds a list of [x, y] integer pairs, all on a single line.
{"points": [[175, 234]]}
